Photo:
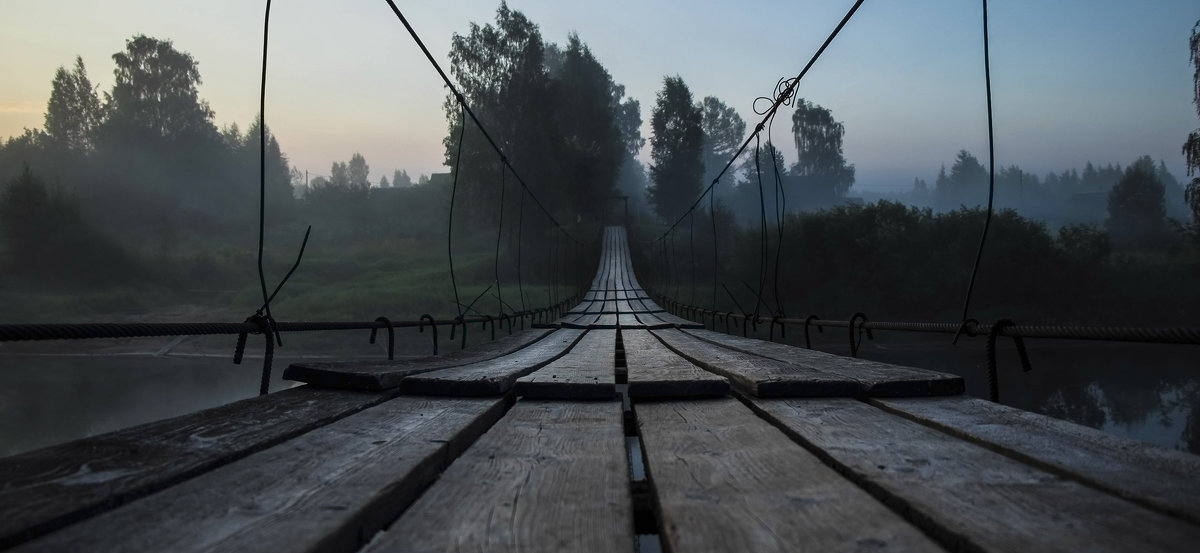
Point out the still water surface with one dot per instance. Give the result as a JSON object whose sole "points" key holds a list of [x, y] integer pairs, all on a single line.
{"points": [[51, 393]]}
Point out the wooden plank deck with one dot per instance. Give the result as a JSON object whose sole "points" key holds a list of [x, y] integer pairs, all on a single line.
{"points": [[813, 452]]}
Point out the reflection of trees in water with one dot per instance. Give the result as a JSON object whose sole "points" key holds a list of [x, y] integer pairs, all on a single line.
{"points": [[1114, 390]]}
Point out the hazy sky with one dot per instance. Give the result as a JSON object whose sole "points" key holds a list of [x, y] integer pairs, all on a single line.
{"points": [[1073, 80]]}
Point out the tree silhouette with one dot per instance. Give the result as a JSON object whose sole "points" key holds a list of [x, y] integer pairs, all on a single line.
{"points": [[675, 149], [1136, 210], [820, 164], [1191, 148], [155, 92], [73, 111]]}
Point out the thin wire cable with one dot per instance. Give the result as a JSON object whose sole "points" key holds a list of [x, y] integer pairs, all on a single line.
{"points": [[762, 204], [471, 113], [780, 217], [499, 234], [780, 99], [520, 231], [462, 131], [987, 222]]}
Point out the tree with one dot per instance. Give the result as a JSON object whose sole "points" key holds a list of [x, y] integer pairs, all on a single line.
{"points": [[724, 130], [1191, 148], [401, 179], [592, 145], [383, 182], [1136, 210], [820, 161], [155, 92], [967, 176], [501, 74], [357, 172], [675, 149], [73, 111]]}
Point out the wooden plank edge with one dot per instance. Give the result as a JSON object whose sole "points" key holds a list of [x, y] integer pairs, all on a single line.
{"points": [[1047, 466], [390, 504], [951, 540], [668, 390], [120, 498], [476, 388]]}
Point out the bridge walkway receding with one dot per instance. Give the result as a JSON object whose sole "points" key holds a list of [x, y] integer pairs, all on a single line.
{"points": [[615, 426]]}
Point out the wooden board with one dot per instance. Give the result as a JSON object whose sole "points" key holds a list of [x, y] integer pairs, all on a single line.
{"points": [[605, 321], [328, 490], [627, 320], [494, 377], [550, 476], [678, 321], [657, 372], [651, 320], [48, 488], [968, 497], [382, 375], [878, 379], [757, 376], [585, 372], [726, 480], [1162, 479]]}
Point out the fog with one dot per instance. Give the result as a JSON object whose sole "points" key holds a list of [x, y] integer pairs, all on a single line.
{"points": [[131, 205]]}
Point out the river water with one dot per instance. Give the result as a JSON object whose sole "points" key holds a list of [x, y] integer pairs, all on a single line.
{"points": [[56, 392]]}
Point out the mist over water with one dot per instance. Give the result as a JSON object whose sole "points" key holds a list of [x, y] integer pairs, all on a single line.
{"points": [[131, 204]]}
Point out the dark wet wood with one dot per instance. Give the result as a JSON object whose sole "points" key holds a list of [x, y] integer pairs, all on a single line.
{"points": [[328, 490], [726, 480], [754, 375], [966, 496], [1162, 479], [877, 379], [381, 375], [657, 372], [550, 476], [496, 376], [48, 488], [585, 372]]}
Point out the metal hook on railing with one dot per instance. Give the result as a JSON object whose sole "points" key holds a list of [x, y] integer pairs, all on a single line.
{"points": [[459, 320], [483, 325], [782, 328], [808, 321], [433, 325], [391, 336], [860, 318], [993, 378], [505, 319]]}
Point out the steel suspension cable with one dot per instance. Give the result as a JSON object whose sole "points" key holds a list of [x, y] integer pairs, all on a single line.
{"points": [[987, 222]]}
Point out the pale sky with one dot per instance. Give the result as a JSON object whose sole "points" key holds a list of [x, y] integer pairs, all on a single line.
{"points": [[1073, 80]]}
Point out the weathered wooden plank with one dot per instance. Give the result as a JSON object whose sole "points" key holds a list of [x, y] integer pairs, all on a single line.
{"points": [[585, 372], [878, 379], [381, 375], [1158, 478], [583, 320], [651, 321], [726, 480], [679, 322], [328, 490], [754, 375], [608, 321], [49, 488], [550, 476], [655, 371], [496, 376], [968, 497], [595, 307], [627, 320]]}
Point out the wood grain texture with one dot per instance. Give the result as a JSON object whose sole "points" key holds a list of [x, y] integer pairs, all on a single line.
{"points": [[585, 372], [657, 372], [726, 480], [550, 476], [877, 379], [48, 488], [496, 376], [966, 496], [652, 321], [754, 375], [1162, 479], [382, 375], [328, 490], [679, 322], [628, 320]]}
